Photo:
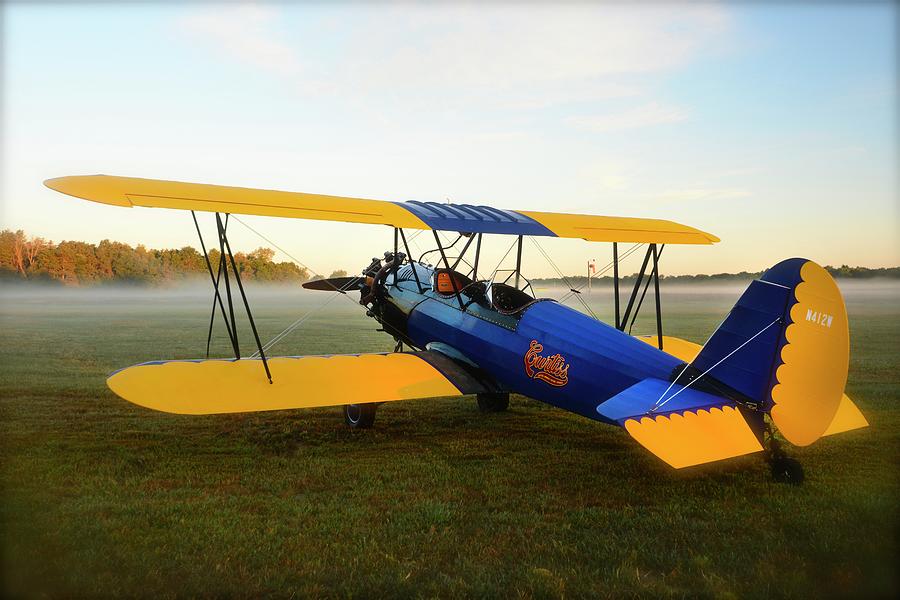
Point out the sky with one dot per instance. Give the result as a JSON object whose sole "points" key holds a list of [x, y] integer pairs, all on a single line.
{"points": [[772, 126]]}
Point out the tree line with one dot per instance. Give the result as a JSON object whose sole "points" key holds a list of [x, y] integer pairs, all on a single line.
{"points": [[842, 272], [26, 258]]}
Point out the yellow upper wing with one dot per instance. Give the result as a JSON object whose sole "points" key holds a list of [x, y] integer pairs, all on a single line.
{"points": [[130, 191]]}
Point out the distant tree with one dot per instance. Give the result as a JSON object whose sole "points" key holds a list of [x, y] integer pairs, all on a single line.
{"points": [[7, 253], [33, 247], [260, 264], [338, 273], [19, 244]]}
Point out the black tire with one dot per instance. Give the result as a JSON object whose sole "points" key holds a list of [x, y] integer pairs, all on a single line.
{"points": [[493, 402], [360, 416], [787, 470]]}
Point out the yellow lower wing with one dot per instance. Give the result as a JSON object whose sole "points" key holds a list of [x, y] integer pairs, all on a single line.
{"points": [[677, 347], [232, 386]]}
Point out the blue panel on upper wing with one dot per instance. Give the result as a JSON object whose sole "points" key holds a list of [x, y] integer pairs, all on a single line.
{"points": [[640, 399], [467, 218]]}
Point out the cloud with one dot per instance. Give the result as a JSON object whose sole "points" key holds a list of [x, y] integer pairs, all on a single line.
{"points": [[527, 56], [646, 115], [588, 93], [245, 32], [609, 174], [702, 194], [499, 45]]}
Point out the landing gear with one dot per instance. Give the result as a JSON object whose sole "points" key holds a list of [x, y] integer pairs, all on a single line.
{"points": [[784, 468], [493, 402], [360, 416]]}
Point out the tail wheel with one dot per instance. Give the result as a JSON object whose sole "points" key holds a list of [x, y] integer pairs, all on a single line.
{"points": [[786, 470], [493, 402], [360, 416]]}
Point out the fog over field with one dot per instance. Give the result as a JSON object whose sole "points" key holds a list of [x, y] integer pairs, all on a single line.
{"points": [[336, 323], [865, 295], [675, 296]]}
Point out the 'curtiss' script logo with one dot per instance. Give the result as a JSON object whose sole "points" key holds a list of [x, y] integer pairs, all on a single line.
{"points": [[551, 369]]}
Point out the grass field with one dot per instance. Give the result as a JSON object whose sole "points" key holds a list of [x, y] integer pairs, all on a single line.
{"points": [[100, 497]]}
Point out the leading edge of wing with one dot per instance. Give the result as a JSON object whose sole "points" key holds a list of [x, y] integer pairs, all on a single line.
{"points": [[157, 193], [200, 387], [467, 218]]}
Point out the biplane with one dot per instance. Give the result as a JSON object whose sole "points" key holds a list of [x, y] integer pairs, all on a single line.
{"points": [[777, 363]]}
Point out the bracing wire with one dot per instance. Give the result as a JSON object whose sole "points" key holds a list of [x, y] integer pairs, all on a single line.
{"points": [[608, 266], [337, 292], [277, 247], [564, 278], [297, 323], [500, 263], [660, 402], [293, 326]]}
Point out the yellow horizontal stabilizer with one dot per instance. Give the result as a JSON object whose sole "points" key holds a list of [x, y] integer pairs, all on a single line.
{"points": [[677, 347], [131, 191], [848, 417], [231, 386], [693, 438]]}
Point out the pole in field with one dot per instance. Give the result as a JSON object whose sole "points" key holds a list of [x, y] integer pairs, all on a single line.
{"points": [[592, 268]]}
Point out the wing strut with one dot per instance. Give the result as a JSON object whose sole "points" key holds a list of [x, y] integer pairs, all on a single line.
{"points": [[616, 279], [232, 335], [410, 259], [656, 255], [237, 277], [477, 256], [456, 290], [654, 251], [212, 313], [230, 323]]}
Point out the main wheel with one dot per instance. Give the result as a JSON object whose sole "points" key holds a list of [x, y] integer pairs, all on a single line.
{"points": [[787, 470], [359, 416], [493, 402]]}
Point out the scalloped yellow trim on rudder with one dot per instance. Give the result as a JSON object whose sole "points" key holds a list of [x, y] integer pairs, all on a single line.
{"points": [[811, 380], [693, 438]]}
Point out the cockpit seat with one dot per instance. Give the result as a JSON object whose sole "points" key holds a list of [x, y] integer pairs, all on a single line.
{"points": [[448, 282]]}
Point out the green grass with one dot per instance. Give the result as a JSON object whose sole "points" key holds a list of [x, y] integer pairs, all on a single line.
{"points": [[100, 497]]}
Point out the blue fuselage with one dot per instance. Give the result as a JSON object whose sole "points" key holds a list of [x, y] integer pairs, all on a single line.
{"points": [[549, 352]]}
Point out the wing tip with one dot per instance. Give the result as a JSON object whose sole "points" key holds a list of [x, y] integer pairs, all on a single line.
{"points": [[96, 188]]}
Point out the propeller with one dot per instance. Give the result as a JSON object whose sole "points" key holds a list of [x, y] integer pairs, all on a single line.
{"points": [[340, 284]]}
